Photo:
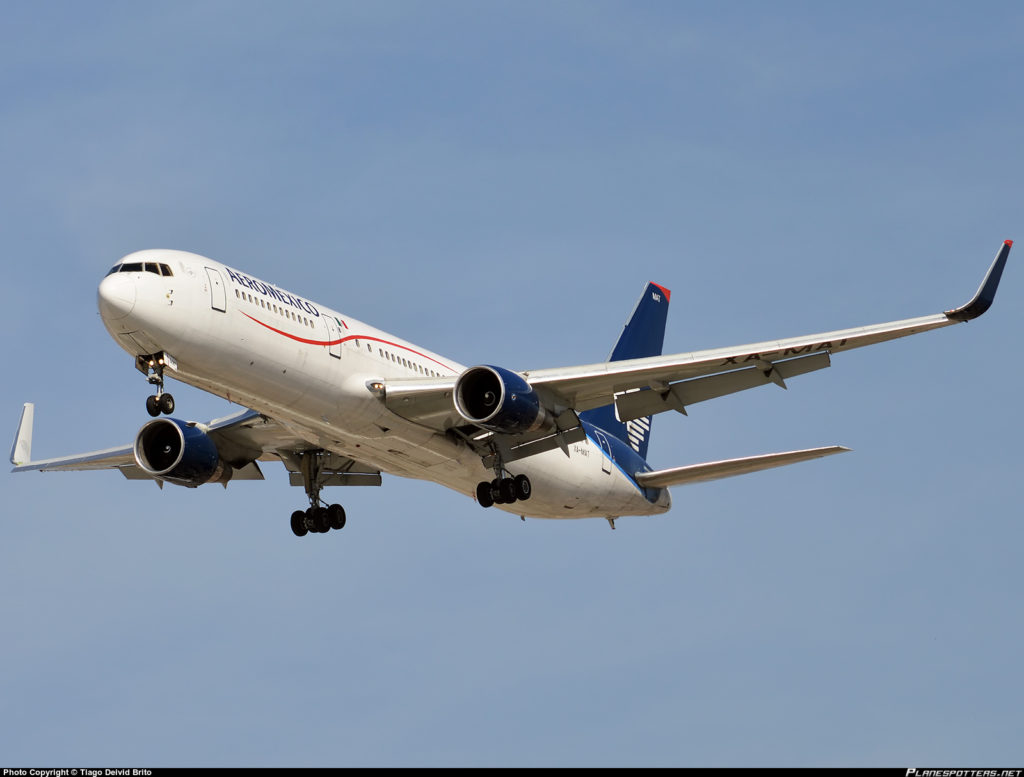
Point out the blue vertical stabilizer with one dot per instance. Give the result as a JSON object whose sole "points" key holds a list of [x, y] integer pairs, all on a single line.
{"points": [[643, 335]]}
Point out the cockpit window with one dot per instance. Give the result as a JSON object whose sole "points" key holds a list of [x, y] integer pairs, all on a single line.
{"points": [[153, 267]]}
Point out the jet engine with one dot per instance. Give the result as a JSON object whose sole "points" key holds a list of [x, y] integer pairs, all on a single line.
{"points": [[177, 452], [498, 400]]}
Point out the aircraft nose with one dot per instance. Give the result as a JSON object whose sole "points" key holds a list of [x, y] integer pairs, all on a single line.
{"points": [[116, 296]]}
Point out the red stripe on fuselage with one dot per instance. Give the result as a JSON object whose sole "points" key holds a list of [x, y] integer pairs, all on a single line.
{"points": [[345, 339]]}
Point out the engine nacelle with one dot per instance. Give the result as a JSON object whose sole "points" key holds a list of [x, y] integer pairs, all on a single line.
{"points": [[174, 451], [498, 400]]}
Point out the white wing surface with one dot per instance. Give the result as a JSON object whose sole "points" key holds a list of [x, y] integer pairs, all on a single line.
{"points": [[242, 439], [700, 473], [640, 387]]}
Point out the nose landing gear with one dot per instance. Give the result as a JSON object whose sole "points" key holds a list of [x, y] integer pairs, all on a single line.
{"points": [[155, 363]]}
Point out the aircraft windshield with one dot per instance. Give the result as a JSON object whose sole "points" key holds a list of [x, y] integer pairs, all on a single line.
{"points": [[153, 267]]}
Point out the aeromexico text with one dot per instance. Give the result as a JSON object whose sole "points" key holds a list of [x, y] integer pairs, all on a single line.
{"points": [[269, 291]]}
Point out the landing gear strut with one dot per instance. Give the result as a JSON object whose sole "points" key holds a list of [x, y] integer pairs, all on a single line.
{"points": [[319, 518], [155, 363]]}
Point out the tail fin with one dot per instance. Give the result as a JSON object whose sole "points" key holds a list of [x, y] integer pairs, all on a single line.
{"points": [[643, 335]]}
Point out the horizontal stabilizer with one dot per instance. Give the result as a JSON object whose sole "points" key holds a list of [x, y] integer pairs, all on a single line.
{"points": [[699, 473]]}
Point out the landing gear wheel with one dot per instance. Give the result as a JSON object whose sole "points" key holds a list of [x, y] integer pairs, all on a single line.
{"points": [[299, 523], [322, 522], [496, 495], [336, 516], [309, 519], [153, 406], [483, 494], [507, 489], [166, 404], [521, 487]]}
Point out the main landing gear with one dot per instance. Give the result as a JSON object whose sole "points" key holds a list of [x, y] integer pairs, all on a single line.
{"points": [[161, 403], [318, 519], [503, 491]]}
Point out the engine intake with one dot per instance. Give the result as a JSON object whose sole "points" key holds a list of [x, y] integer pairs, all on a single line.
{"points": [[498, 400], [172, 450]]}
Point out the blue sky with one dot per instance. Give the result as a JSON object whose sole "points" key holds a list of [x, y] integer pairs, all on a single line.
{"points": [[498, 181]]}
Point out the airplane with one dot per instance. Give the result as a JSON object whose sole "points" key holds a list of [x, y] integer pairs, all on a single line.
{"points": [[340, 402]]}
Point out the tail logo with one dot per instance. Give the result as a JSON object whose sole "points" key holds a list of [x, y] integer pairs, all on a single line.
{"points": [[637, 431]]}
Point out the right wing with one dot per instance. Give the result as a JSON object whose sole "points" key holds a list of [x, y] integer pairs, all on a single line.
{"points": [[122, 458], [242, 439]]}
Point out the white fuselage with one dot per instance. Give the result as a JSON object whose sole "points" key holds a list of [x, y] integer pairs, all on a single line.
{"points": [[308, 367]]}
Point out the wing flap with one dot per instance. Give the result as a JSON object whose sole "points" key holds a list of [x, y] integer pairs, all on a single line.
{"points": [[338, 479], [714, 470], [111, 458], [597, 384], [424, 401], [639, 404]]}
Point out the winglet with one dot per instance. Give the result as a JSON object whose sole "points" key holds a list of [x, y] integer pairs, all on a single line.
{"points": [[21, 451], [986, 292]]}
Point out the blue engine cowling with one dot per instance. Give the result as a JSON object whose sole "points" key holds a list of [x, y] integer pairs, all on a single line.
{"points": [[498, 400], [177, 452]]}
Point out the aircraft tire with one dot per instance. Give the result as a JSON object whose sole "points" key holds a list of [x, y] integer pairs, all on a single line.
{"points": [[310, 521], [483, 494], [507, 488], [323, 523], [336, 516], [166, 404], [153, 406], [522, 487], [299, 523]]}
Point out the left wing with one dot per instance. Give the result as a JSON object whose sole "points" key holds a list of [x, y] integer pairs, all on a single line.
{"points": [[641, 387], [598, 384]]}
